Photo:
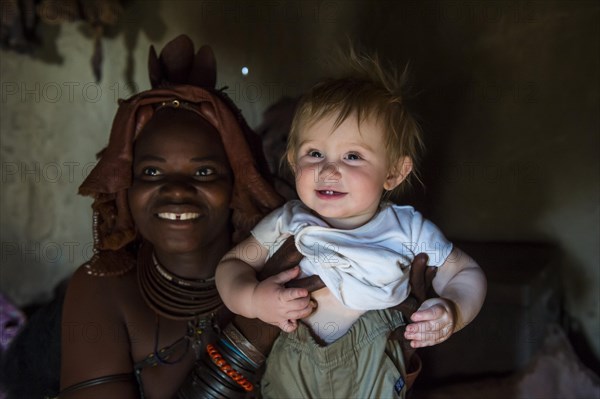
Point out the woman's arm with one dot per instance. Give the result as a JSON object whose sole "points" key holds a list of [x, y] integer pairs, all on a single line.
{"points": [[94, 340], [462, 286]]}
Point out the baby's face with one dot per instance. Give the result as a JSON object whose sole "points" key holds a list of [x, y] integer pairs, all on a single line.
{"points": [[182, 184], [341, 173]]}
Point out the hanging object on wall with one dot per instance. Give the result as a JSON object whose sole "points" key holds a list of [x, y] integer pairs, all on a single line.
{"points": [[17, 24], [20, 18]]}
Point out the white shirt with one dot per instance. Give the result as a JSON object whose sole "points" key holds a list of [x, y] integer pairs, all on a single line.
{"points": [[365, 268]]}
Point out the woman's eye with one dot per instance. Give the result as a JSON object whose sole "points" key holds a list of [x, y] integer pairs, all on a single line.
{"points": [[150, 172], [205, 172], [353, 157], [315, 154]]}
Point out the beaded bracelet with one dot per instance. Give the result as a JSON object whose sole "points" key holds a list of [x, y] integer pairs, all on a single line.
{"points": [[226, 368]]}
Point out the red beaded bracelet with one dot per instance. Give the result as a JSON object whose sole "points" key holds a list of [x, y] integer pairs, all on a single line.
{"points": [[226, 368]]}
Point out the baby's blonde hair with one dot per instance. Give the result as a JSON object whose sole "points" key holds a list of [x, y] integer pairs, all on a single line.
{"points": [[367, 91]]}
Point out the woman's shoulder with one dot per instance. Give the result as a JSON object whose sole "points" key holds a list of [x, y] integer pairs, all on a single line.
{"points": [[96, 325], [95, 290]]}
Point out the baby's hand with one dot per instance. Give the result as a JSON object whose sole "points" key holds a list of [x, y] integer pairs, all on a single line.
{"points": [[275, 304], [433, 323]]}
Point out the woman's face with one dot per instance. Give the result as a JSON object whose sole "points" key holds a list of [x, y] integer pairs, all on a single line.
{"points": [[182, 184]]}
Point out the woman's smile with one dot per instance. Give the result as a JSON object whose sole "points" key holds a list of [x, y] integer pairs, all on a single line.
{"points": [[178, 216]]}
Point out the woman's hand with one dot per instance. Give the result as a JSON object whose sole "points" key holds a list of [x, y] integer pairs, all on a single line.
{"points": [[285, 258]]}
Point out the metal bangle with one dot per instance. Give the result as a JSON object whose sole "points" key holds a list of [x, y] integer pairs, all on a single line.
{"points": [[237, 339]]}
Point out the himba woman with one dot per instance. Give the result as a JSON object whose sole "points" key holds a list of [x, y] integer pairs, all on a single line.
{"points": [[181, 180]]}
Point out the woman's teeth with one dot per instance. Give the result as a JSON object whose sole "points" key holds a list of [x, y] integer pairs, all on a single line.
{"points": [[178, 216]]}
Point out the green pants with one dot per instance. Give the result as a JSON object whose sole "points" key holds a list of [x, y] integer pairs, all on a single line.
{"points": [[361, 364]]}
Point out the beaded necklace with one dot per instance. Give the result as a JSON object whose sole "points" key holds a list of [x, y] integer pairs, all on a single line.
{"points": [[177, 298], [172, 296]]}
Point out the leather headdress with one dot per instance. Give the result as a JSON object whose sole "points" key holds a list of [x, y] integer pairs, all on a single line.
{"points": [[179, 78]]}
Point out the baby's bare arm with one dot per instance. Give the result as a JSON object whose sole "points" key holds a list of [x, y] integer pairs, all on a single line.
{"points": [[236, 275], [461, 280], [462, 286], [267, 300]]}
